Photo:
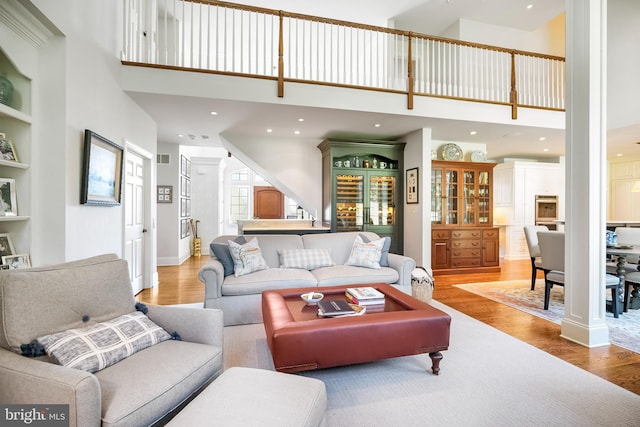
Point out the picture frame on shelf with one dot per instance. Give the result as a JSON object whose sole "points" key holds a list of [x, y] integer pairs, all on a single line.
{"points": [[101, 171], [8, 203], [6, 245], [7, 150], [412, 186], [16, 261]]}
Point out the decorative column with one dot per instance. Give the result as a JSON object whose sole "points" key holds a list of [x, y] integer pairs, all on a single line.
{"points": [[584, 320]]}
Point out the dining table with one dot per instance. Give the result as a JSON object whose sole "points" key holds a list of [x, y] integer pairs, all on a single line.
{"points": [[621, 252]]}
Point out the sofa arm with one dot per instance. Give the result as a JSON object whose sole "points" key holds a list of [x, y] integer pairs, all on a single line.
{"points": [[25, 380], [404, 265], [212, 275], [197, 325]]}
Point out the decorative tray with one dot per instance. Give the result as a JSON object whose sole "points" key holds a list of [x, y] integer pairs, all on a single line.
{"points": [[478, 156]]}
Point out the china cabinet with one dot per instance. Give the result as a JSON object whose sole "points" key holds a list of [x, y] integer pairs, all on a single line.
{"points": [[463, 235], [362, 187]]}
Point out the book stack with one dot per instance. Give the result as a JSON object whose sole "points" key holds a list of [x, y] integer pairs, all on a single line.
{"points": [[338, 308], [366, 296]]}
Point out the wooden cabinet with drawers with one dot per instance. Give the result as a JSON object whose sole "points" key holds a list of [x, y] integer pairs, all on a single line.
{"points": [[463, 239]]}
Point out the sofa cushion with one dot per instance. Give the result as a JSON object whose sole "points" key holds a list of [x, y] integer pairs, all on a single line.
{"points": [[366, 254], [71, 295], [352, 275], [273, 278], [384, 258], [222, 254], [247, 258], [140, 389], [104, 344], [308, 259]]}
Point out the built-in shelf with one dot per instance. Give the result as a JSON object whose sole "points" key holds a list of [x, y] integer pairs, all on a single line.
{"points": [[7, 111], [13, 218], [12, 164]]}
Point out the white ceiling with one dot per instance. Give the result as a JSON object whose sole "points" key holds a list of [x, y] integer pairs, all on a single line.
{"points": [[184, 114]]}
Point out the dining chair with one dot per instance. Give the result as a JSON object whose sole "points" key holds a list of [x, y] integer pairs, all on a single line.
{"points": [[626, 235], [552, 255], [530, 234]]}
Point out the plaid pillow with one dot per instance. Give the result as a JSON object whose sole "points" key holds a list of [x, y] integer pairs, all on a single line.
{"points": [[308, 259], [104, 344]]}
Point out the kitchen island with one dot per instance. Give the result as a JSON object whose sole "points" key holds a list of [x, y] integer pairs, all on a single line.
{"points": [[280, 226]]}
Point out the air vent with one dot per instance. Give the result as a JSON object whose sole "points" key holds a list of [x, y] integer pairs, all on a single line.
{"points": [[164, 159]]}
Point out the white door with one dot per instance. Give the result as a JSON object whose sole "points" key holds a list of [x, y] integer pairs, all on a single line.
{"points": [[134, 248], [205, 198]]}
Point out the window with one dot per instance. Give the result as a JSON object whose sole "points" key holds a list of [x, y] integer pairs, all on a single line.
{"points": [[239, 203]]}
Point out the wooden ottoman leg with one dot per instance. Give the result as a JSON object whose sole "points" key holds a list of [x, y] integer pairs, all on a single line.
{"points": [[435, 360]]}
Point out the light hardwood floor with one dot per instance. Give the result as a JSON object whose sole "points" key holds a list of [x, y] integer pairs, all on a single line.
{"points": [[180, 285]]}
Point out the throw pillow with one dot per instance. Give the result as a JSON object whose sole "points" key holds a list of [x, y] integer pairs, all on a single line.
{"points": [[104, 344], [384, 258], [366, 254], [222, 253], [247, 258], [308, 259]]}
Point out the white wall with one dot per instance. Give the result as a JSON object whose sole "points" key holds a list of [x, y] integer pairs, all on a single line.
{"points": [[80, 89], [623, 84], [417, 221]]}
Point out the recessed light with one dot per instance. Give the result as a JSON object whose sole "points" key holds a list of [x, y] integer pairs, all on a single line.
{"points": [[545, 150], [269, 130], [542, 138], [213, 113], [619, 154], [301, 119], [473, 132], [529, 6], [297, 132], [377, 125], [180, 135]]}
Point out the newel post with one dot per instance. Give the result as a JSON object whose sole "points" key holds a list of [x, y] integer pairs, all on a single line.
{"points": [[514, 92], [409, 75], [281, 57]]}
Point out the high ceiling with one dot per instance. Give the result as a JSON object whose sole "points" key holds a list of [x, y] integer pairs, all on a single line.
{"points": [[184, 114]]}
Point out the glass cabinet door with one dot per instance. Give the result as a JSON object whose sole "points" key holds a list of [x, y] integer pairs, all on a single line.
{"points": [[349, 202], [436, 196], [451, 202], [382, 195], [484, 198], [469, 199]]}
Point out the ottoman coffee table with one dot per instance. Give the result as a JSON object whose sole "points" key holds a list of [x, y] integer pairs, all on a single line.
{"points": [[299, 340]]}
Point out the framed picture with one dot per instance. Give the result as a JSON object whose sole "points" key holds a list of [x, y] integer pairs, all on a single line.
{"points": [[16, 261], [412, 185], [6, 245], [183, 165], [7, 152], [8, 205], [165, 194], [101, 171]]}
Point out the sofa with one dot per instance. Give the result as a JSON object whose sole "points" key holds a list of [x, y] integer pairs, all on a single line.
{"points": [[239, 296], [141, 388]]}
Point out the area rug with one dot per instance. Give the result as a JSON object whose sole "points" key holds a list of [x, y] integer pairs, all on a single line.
{"points": [[487, 378], [623, 331]]}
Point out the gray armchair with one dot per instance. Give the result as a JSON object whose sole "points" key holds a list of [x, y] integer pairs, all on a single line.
{"points": [[140, 390]]}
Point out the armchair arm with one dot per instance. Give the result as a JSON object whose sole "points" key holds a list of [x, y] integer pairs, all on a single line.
{"points": [[212, 275], [404, 265], [30, 381], [198, 325]]}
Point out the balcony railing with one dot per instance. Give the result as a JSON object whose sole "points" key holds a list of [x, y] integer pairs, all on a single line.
{"points": [[220, 37]]}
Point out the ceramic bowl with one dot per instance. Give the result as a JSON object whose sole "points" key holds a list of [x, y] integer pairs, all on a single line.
{"points": [[312, 297]]}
